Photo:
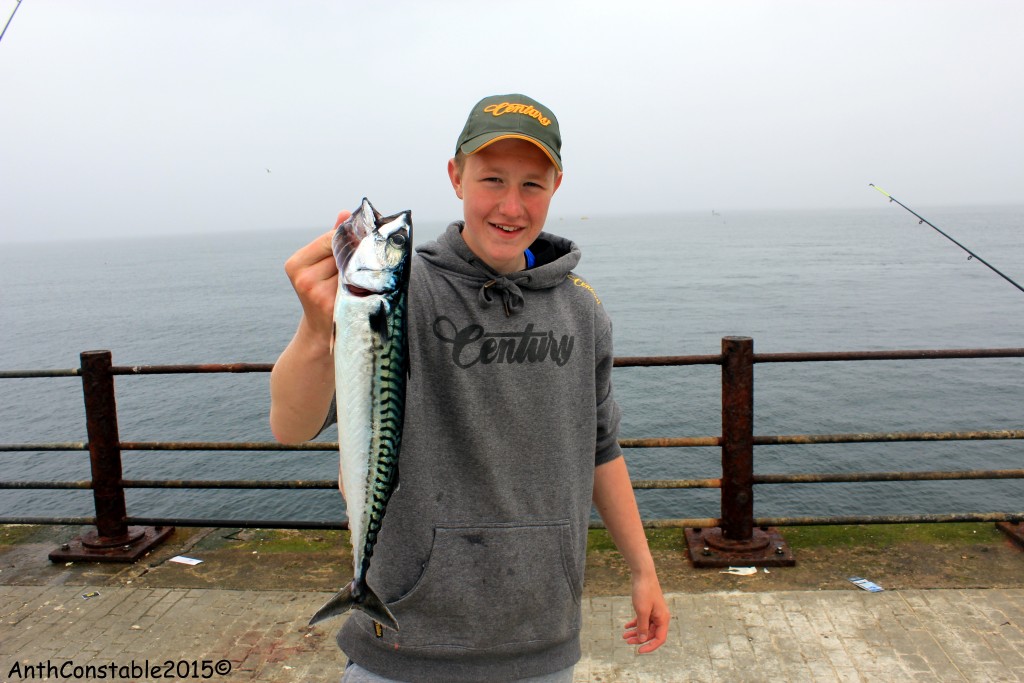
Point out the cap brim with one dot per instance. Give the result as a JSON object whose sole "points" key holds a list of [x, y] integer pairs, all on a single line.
{"points": [[474, 145]]}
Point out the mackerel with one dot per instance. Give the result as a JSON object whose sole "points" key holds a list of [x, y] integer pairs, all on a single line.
{"points": [[370, 350]]}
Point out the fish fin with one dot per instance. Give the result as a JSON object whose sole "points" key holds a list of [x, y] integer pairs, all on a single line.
{"points": [[379, 324], [342, 601], [376, 608], [345, 599]]}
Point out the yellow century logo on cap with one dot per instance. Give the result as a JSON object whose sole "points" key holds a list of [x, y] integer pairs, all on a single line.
{"points": [[524, 109]]}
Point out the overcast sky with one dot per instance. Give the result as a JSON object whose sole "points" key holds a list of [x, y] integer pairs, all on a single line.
{"points": [[123, 117]]}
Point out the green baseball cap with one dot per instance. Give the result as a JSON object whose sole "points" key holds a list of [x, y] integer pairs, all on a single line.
{"points": [[511, 116]]}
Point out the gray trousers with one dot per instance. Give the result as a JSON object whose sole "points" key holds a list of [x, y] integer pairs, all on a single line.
{"points": [[357, 674]]}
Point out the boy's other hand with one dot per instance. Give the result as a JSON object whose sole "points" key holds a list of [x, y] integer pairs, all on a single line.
{"points": [[314, 277], [650, 628]]}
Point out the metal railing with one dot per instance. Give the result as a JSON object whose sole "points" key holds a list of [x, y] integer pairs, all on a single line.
{"points": [[721, 539]]}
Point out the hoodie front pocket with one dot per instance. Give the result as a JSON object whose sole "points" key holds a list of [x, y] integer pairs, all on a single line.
{"points": [[492, 586]]}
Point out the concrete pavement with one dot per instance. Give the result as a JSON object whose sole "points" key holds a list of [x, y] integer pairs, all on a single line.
{"points": [[54, 633]]}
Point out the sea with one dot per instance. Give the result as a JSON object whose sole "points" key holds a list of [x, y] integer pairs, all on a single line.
{"points": [[673, 284]]}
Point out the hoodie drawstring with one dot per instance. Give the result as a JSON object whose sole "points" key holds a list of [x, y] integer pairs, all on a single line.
{"points": [[511, 295]]}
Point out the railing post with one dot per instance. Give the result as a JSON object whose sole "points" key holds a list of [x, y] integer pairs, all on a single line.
{"points": [[104, 444], [737, 438], [735, 540], [113, 540]]}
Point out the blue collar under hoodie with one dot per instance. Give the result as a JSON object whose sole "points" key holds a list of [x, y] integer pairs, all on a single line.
{"points": [[451, 252]]}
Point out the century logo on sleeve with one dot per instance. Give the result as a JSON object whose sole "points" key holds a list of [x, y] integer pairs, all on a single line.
{"points": [[472, 344]]}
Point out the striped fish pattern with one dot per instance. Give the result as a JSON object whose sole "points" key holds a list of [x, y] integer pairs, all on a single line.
{"points": [[370, 350]]}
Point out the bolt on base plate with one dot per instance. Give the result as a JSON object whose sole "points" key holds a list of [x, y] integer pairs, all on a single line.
{"points": [[91, 547], [765, 548]]}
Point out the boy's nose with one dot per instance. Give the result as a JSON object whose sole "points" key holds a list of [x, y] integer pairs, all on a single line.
{"points": [[511, 203]]}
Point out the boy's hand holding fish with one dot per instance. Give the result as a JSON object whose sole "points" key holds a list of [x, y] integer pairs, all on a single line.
{"points": [[313, 273], [314, 276]]}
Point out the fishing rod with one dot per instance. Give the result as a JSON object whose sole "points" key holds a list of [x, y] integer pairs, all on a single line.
{"points": [[922, 219], [9, 20]]}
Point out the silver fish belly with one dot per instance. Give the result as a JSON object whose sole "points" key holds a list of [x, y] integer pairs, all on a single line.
{"points": [[370, 366]]}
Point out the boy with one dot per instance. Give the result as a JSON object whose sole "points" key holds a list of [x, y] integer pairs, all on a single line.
{"points": [[510, 430]]}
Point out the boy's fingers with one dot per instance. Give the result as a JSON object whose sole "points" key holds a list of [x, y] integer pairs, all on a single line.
{"points": [[660, 633], [314, 252], [643, 624], [636, 631], [342, 217]]}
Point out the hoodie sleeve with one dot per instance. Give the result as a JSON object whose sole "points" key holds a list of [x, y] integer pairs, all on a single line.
{"points": [[608, 414]]}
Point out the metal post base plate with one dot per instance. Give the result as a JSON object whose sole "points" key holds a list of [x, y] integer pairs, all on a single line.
{"points": [[1014, 531], [765, 548], [91, 547]]}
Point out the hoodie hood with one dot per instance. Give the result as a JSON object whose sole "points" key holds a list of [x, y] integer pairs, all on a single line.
{"points": [[451, 252]]}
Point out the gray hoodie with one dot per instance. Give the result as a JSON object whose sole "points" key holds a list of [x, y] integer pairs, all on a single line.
{"points": [[509, 408]]}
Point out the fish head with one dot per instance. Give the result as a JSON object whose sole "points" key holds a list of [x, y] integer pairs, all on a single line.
{"points": [[372, 251]]}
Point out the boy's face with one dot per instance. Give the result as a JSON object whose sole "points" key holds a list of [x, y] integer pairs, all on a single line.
{"points": [[505, 189]]}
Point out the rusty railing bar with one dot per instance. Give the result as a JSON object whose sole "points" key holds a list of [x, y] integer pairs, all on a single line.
{"points": [[694, 523], [202, 368], [55, 521], [652, 442], [879, 437], [83, 484], [227, 446], [620, 361], [909, 354], [230, 484], [638, 484], [862, 477], [660, 361], [66, 446], [764, 522], [840, 520], [672, 442], [240, 523], [644, 484], [31, 374]]}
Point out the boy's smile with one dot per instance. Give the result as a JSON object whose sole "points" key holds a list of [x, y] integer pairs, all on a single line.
{"points": [[506, 189]]}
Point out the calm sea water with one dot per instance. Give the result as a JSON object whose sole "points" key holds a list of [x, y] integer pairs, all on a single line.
{"points": [[673, 284]]}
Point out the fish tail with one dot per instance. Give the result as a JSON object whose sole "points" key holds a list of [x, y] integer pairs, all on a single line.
{"points": [[360, 598], [376, 608], [342, 601]]}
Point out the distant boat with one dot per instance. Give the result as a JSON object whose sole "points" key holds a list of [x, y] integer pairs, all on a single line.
{"points": [[715, 213]]}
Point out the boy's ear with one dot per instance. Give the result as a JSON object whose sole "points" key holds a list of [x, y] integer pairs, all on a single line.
{"points": [[558, 181], [456, 177]]}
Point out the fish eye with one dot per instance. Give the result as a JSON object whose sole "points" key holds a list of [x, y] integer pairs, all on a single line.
{"points": [[398, 240]]}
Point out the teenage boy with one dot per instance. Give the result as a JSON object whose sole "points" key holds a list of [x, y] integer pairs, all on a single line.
{"points": [[510, 430]]}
